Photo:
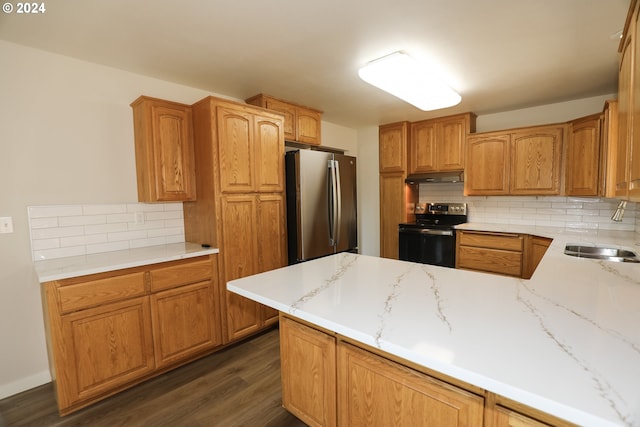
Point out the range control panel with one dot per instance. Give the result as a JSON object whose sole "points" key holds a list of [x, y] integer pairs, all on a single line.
{"points": [[441, 208]]}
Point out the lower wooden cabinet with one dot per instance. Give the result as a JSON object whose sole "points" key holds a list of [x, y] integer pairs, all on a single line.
{"points": [[101, 349], [329, 380], [308, 363], [499, 253], [109, 331], [510, 254], [374, 391]]}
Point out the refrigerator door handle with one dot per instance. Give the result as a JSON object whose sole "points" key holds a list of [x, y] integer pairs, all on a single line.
{"points": [[332, 211], [337, 204]]}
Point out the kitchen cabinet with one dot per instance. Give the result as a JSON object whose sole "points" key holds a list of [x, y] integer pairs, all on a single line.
{"points": [[525, 161], [396, 197], [499, 253], [393, 140], [536, 158], [584, 151], [509, 254], [633, 151], [609, 148], [301, 124], [109, 331], [164, 150], [254, 240], [184, 316], [251, 151], [439, 145], [627, 169], [487, 171], [373, 390], [503, 412], [308, 370], [240, 206]]}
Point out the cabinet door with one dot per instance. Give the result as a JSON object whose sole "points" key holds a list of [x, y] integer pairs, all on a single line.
{"points": [[536, 156], [289, 113], [240, 259], [269, 146], [451, 137], [164, 150], [236, 151], [375, 391], [308, 363], [183, 322], [104, 348], [503, 417], [422, 147], [392, 212], [308, 126], [634, 149], [624, 120], [393, 140], [487, 170], [583, 157], [272, 241]]}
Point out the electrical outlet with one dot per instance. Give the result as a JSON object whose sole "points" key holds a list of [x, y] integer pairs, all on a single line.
{"points": [[6, 224], [138, 218]]}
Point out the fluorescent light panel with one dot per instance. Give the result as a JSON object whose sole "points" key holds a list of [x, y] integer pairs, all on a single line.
{"points": [[403, 77]]}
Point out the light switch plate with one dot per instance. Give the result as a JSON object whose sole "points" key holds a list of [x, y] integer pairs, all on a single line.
{"points": [[6, 224]]}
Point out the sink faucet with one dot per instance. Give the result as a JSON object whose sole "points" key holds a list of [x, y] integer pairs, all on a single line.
{"points": [[619, 213]]}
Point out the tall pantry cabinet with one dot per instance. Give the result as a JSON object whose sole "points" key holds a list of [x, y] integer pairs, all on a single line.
{"points": [[239, 152]]}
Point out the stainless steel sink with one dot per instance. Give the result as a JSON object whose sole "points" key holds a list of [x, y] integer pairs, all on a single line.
{"points": [[601, 252]]}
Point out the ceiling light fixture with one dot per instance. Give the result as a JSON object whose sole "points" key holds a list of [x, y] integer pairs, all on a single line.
{"points": [[403, 77]]}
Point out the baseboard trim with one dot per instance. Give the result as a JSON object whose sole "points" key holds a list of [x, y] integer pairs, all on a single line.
{"points": [[24, 384]]}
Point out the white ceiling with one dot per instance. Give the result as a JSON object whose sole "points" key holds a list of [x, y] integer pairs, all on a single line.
{"points": [[499, 55]]}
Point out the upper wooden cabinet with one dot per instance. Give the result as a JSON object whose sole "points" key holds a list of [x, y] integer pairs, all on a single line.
{"points": [[438, 145], [164, 150], [301, 124], [536, 158], [584, 150], [392, 143], [627, 166], [525, 161], [250, 149], [609, 151], [487, 171]]}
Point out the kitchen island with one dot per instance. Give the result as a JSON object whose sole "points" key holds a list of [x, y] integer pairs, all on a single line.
{"points": [[566, 342]]}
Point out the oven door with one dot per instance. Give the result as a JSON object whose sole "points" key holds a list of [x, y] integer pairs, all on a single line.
{"points": [[427, 246]]}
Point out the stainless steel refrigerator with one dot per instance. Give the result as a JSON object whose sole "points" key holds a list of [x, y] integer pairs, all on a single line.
{"points": [[321, 204]]}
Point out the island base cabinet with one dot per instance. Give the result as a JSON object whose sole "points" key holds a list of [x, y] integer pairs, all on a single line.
{"points": [[308, 359], [374, 391]]}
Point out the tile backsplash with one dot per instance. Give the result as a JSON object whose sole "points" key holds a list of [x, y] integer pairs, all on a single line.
{"points": [[69, 230], [555, 211]]}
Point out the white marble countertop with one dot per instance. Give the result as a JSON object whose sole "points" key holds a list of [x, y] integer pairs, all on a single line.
{"points": [[63, 268], [566, 342]]}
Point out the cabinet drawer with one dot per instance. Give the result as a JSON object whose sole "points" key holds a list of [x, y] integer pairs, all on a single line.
{"points": [[509, 242], [490, 260], [91, 293], [181, 273]]}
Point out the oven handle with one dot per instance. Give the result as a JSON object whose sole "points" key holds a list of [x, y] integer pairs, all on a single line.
{"points": [[428, 231]]}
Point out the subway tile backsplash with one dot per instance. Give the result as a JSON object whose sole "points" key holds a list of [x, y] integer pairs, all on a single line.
{"points": [[69, 230], [554, 211]]}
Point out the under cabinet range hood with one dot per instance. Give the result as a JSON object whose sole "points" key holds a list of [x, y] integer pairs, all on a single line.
{"points": [[435, 177]]}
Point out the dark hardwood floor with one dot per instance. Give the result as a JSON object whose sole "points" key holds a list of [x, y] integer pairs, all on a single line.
{"points": [[237, 386]]}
